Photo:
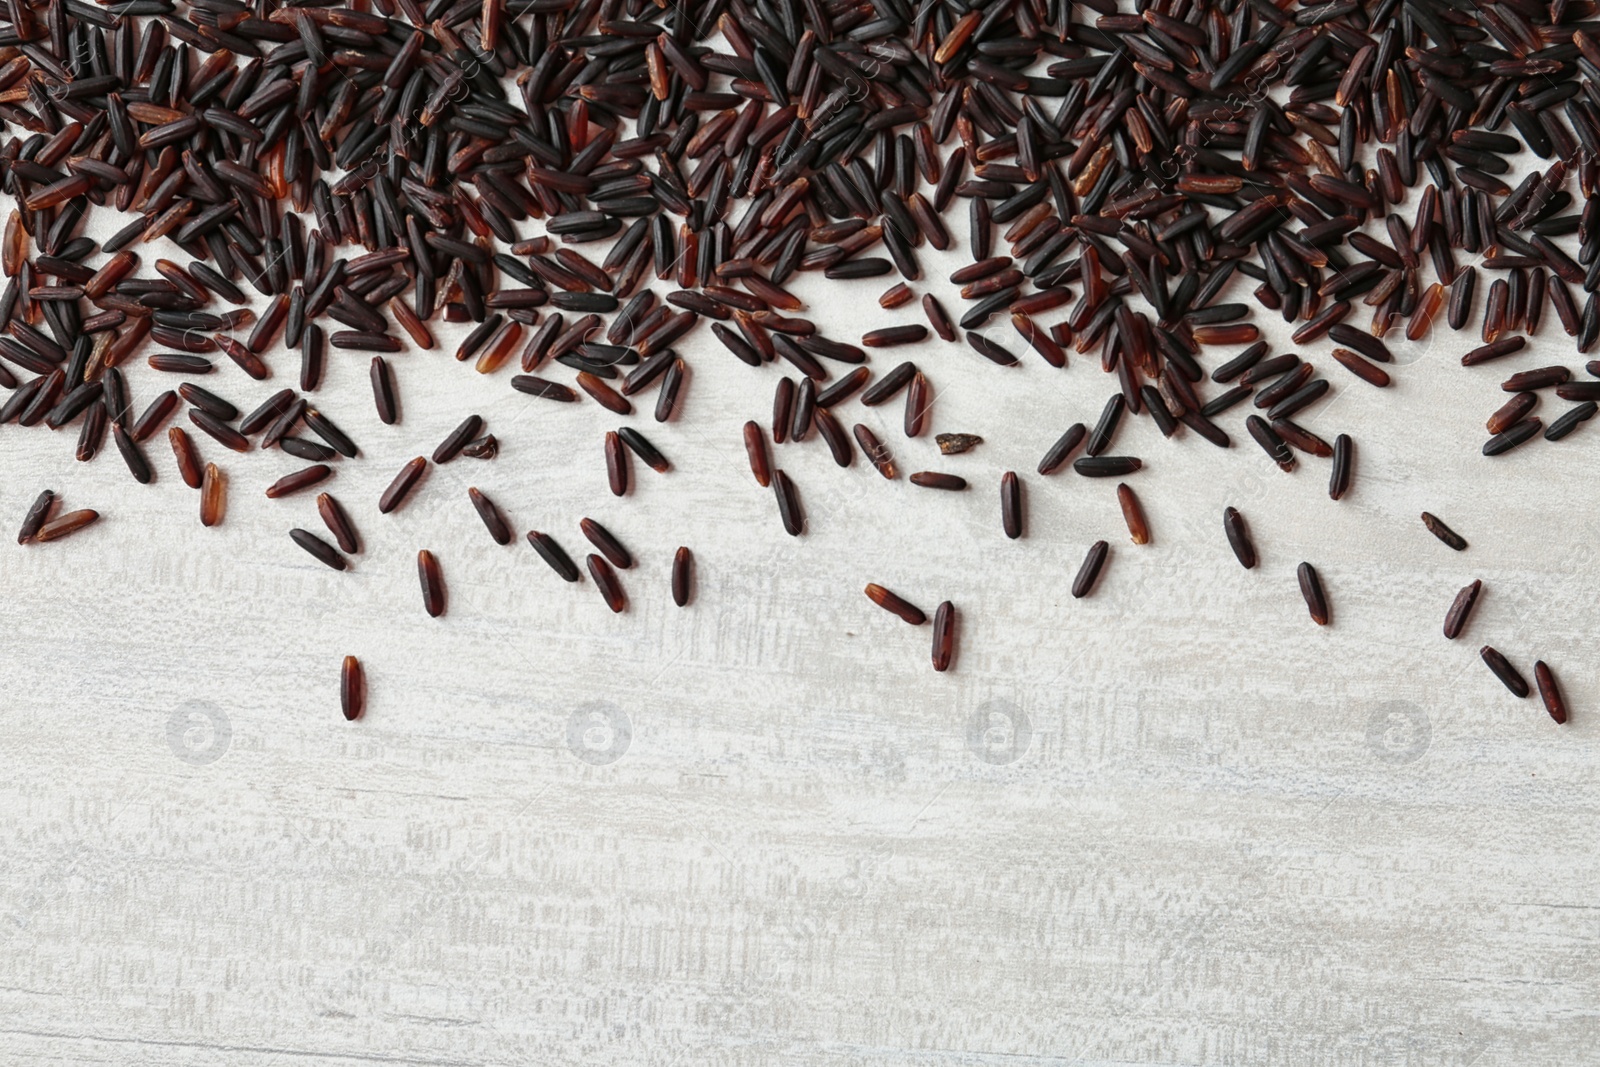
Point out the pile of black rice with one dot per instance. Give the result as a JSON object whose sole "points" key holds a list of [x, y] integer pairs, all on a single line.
{"points": [[1126, 176]]}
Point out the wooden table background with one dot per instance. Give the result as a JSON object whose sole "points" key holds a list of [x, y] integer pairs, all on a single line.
{"points": [[1171, 823]]}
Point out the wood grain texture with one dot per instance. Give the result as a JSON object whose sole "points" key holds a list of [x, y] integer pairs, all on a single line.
{"points": [[1173, 823]]}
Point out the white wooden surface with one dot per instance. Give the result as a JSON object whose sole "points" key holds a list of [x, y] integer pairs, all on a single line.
{"points": [[1171, 823]]}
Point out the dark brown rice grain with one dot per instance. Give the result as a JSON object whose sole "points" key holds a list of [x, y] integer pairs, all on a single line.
{"points": [[1133, 515], [606, 542], [605, 580], [938, 318], [301, 479], [875, 451], [490, 514], [189, 465], [352, 689], [917, 404], [1549, 692], [432, 579], [895, 604], [755, 444], [401, 486], [616, 464], [338, 522], [938, 480]]}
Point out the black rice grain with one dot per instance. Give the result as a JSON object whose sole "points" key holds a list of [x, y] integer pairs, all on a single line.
{"points": [[682, 576], [788, 504], [324, 428], [383, 392], [944, 629], [150, 420], [1063, 448], [1437, 527], [1512, 436], [809, 158], [1106, 427], [1107, 466], [1089, 572], [1504, 671], [324, 552], [220, 430], [553, 554], [1570, 420], [1455, 620], [990, 350], [548, 390], [38, 513], [1270, 442], [888, 385], [1311, 589], [1343, 462], [132, 455], [829, 428], [889, 336], [1239, 537], [667, 400], [458, 438], [1011, 504]]}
